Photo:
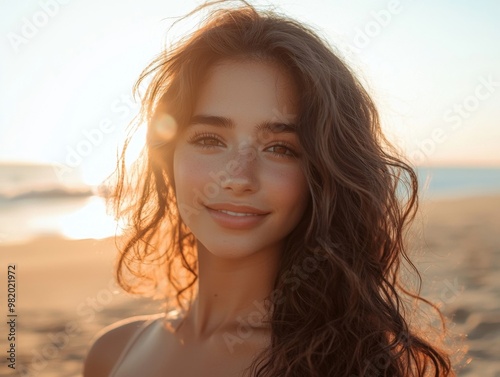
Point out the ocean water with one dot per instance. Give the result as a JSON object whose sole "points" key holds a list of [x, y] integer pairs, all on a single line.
{"points": [[33, 202], [456, 182]]}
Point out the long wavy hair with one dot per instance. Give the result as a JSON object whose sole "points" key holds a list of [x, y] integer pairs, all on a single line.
{"points": [[340, 306]]}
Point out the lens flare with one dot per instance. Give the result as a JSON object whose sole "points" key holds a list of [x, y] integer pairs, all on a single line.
{"points": [[165, 127]]}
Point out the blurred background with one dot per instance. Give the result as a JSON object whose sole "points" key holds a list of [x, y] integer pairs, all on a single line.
{"points": [[66, 73]]}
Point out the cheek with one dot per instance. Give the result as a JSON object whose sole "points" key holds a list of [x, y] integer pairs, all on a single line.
{"points": [[288, 187], [188, 173], [186, 169], [192, 174]]}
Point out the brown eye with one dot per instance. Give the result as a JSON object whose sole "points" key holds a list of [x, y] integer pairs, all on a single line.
{"points": [[210, 141], [282, 150], [205, 140]]}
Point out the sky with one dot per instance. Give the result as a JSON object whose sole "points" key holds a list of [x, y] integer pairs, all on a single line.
{"points": [[67, 68]]}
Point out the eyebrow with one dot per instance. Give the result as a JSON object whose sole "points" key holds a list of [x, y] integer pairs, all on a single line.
{"points": [[223, 122]]}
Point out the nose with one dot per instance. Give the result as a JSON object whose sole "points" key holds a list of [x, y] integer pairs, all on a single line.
{"points": [[242, 172]]}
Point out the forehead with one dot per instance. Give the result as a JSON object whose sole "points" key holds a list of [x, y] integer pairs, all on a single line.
{"points": [[248, 89]]}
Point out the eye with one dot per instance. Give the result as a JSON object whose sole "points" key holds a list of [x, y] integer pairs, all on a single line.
{"points": [[283, 149], [205, 140]]}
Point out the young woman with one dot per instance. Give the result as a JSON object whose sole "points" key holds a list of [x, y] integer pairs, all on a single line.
{"points": [[269, 210]]}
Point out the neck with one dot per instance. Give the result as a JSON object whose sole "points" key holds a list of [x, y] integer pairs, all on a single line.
{"points": [[231, 292]]}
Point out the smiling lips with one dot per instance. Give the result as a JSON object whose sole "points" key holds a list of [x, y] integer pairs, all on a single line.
{"points": [[234, 216]]}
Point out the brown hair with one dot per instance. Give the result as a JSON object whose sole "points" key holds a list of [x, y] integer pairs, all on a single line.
{"points": [[339, 305]]}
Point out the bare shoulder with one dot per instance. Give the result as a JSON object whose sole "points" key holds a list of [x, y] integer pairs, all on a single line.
{"points": [[109, 343]]}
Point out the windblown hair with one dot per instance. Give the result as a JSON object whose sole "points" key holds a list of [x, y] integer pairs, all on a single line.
{"points": [[339, 306]]}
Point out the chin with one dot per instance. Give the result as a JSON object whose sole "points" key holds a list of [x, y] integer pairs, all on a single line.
{"points": [[228, 250]]}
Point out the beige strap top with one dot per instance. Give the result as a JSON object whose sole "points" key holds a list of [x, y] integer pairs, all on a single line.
{"points": [[130, 344], [133, 340]]}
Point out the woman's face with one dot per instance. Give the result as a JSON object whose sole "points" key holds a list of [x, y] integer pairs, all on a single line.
{"points": [[239, 154]]}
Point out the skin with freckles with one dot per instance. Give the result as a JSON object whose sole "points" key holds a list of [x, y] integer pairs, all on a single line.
{"points": [[263, 172], [235, 136]]}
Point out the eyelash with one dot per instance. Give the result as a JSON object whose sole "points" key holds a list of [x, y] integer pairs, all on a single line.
{"points": [[198, 136]]}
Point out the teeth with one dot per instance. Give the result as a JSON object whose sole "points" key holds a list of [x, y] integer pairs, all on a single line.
{"points": [[236, 213]]}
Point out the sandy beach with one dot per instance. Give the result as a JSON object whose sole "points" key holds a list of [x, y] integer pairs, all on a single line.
{"points": [[66, 292]]}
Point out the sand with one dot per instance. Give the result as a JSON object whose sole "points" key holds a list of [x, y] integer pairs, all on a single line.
{"points": [[459, 260], [66, 292]]}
